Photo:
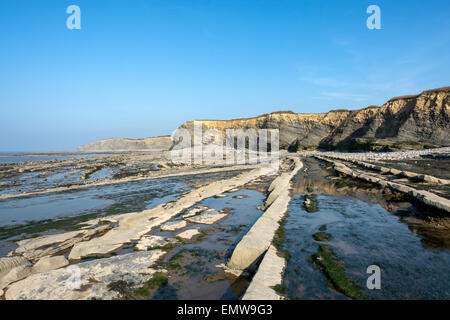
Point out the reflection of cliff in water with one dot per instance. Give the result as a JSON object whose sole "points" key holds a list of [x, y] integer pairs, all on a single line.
{"points": [[359, 225], [316, 179]]}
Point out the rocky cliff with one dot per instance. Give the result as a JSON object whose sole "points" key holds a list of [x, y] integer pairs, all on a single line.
{"points": [[415, 121], [121, 144]]}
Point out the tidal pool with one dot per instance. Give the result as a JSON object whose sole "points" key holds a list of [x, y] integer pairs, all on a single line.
{"points": [[194, 270], [362, 233], [25, 157], [108, 199], [99, 200]]}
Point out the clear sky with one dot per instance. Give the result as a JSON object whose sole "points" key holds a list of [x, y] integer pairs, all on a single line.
{"points": [[141, 68]]}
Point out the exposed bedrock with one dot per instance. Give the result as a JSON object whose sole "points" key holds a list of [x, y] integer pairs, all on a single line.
{"points": [[268, 276], [172, 172], [50, 263], [52, 245], [134, 225], [400, 173], [122, 144], [426, 197], [87, 280], [402, 122], [13, 269], [256, 242]]}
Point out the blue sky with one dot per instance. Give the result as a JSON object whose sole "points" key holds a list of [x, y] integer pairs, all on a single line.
{"points": [[140, 68]]}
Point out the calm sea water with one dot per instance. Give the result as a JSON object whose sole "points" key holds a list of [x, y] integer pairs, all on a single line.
{"points": [[13, 157], [363, 233]]}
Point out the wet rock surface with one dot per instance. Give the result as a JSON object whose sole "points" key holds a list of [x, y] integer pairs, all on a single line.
{"points": [[207, 216], [256, 242], [176, 246], [358, 225], [269, 275], [88, 280], [152, 241], [188, 234]]}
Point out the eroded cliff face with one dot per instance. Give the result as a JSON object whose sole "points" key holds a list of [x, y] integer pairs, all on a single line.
{"points": [[403, 122], [422, 119], [121, 144], [415, 121], [307, 128]]}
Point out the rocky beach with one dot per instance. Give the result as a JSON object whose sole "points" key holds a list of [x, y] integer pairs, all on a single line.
{"points": [[152, 229], [121, 219], [224, 159]]}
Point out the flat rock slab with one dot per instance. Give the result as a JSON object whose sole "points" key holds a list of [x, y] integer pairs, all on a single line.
{"points": [[426, 197], [137, 224], [50, 263], [9, 263], [208, 216], [188, 234], [148, 242], [269, 275], [36, 243], [86, 280], [258, 239], [195, 211], [15, 274], [220, 195], [95, 222], [173, 225], [59, 248]]}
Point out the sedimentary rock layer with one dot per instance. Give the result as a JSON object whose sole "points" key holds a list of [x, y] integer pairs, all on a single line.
{"points": [[86, 280], [122, 144], [426, 197], [415, 121], [268, 276], [157, 175], [135, 225], [256, 242]]}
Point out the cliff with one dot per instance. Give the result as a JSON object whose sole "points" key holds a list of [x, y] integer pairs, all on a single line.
{"points": [[122, 144], [414, 121]]}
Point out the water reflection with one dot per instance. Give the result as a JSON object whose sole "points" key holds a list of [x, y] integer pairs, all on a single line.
{"points": [[366, 227]]}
